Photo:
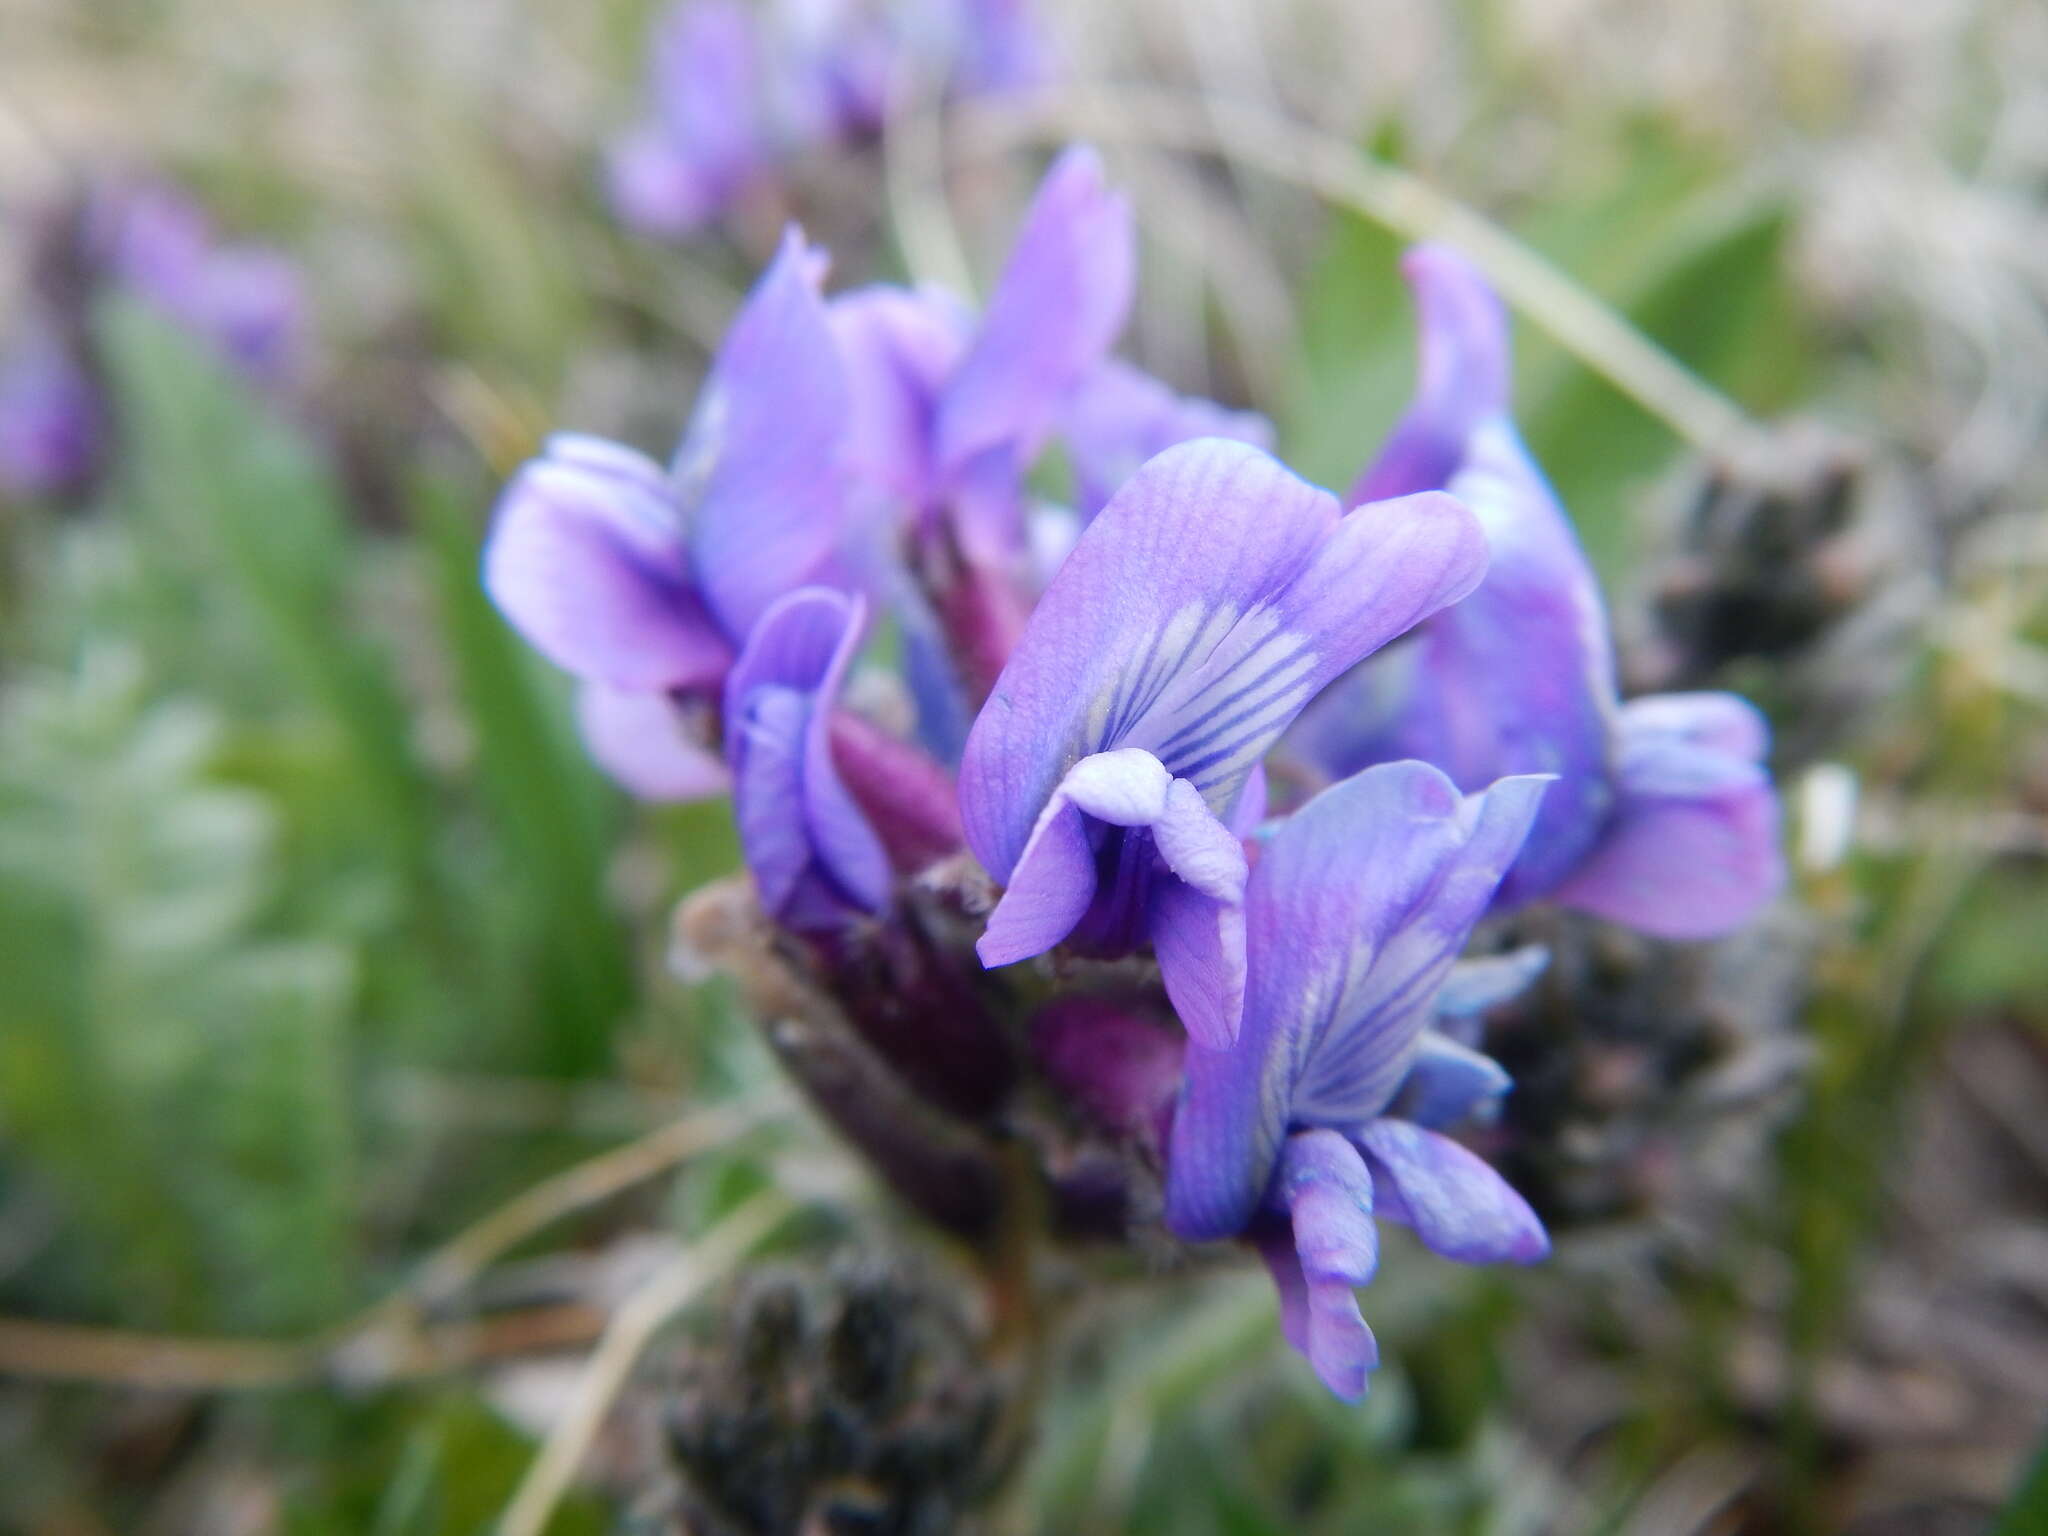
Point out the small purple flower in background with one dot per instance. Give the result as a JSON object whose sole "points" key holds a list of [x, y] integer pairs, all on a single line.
{"points": [[244, 302], [710, 137], [1663, 818], [738, 90], [1212, 598], [52, 420], [1320, 1116]]}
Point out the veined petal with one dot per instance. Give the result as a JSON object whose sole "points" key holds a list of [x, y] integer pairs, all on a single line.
{"points": [[645, 741], [812, 853], [1056, 311], [762, 467], [586, 558], [1463, 378], [1691, 851], [1122, 416], [1213, 596], [1456, 1203], [1354, 913]]}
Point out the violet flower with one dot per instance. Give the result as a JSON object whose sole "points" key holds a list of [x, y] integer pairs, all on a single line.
{"points": [[52, 420], [709, 138], [1105, 781], [243, 302], [1663, 817], [644, 582], [1322, 1115], [737, 90]]}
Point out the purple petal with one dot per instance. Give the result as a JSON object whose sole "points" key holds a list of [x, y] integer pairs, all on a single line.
{"points": [[51, 419], [1692, 849], [1001, 47], [255, 313], [812, 853], [1354, 913], [1456, 1203], [648, 744], [1197, 919], [1122, 416], [1448, 1082], [1463, 376], [1327, 1248], [761, 468], [156, 242], [1474, 986], [1051, 886], [1517, 678], [586, 558], [705, 75], [658, 191], [1056, 311], [1323, 1184], [1200, 648], [1199, 940], [899, 348]]}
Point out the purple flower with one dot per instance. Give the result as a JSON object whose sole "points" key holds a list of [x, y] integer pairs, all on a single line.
{"points": [[52, 422], [1318, 1118], [1057, 309], [814, 857], [245, 301], [1662, 817], [1104, 781], [644, 582], [709, 138], [739, 89]]}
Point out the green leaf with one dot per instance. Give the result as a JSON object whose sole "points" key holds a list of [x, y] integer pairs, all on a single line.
{"points": [[555, 819]]}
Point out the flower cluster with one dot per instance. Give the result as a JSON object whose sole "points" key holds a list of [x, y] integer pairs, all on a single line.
{"points": [[1205, 744], [244, 302], [737, 89]]}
